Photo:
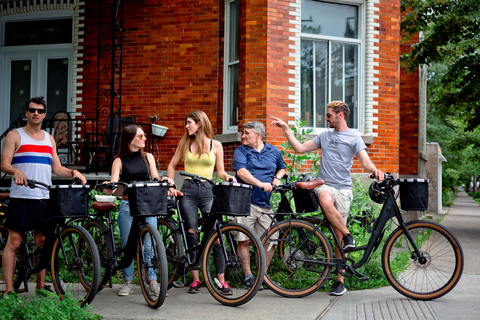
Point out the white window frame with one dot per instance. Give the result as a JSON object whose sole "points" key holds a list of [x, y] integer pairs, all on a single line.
{"points": [[361, 61], [227, 87]]}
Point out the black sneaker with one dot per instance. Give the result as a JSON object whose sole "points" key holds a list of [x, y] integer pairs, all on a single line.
{"points": [[348, 241], [249, 280], [194, 287], [46, 291], [338, 289]]}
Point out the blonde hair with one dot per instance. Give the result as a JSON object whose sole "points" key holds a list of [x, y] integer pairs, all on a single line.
{"points": [[203, 133]]}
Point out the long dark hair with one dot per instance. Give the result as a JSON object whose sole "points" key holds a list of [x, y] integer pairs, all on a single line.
{"points": [[126, 137], [205, 131]]}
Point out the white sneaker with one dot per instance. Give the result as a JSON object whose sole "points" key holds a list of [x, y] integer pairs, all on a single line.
{"points": [[126, 289], [154, 289]]}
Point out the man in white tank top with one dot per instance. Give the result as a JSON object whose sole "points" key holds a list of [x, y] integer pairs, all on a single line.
{"points": [[29, 152]]}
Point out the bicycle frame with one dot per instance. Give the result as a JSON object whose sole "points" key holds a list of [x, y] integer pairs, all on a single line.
{"points": [[389, 210]]}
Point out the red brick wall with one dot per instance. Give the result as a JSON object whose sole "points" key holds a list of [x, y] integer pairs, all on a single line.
{"points": [[171, 64], [409, 113]]}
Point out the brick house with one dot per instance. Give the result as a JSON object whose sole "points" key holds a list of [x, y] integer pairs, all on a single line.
{"points": [[237, 60]]}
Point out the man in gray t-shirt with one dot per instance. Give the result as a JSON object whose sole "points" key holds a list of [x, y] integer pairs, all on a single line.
{"points": [[338, 148]]}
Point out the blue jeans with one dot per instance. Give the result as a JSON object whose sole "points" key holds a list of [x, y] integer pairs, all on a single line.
{"points": [[124, 224]]}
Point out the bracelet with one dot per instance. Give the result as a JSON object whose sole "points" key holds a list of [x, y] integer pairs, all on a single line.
{"points": [[73, 175]]}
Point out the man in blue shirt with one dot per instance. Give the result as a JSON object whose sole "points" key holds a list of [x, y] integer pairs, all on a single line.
{"points": [[261, 165]]}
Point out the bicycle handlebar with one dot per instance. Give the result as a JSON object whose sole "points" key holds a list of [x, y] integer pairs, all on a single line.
{"points": [[307, 185]]}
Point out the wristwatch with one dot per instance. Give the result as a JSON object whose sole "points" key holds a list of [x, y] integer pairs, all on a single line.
{"points": [[278, 177]]}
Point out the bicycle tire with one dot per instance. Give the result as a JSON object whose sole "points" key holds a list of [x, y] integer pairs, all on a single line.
{"points": [[234, 273], [103, 240], [289, 276], [79, 273], [157, 261], [173, 243], [423, 280]]}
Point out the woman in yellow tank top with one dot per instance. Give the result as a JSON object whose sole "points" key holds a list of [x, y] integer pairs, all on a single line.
{"points": [[200, 155]]}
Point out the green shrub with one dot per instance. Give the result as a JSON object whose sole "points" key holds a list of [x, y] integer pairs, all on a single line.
{"points": [[447, 197], [19, 308]]}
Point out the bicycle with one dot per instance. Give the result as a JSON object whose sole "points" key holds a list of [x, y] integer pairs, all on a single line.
{"points": [[421, 260], [144, 240], [69, 250], [215, 232]]}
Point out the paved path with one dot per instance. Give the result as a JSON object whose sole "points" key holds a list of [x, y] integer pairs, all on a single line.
{"points": [[463, 219]]}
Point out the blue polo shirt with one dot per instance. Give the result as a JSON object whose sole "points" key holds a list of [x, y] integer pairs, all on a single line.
{"points": [[262, 165]]}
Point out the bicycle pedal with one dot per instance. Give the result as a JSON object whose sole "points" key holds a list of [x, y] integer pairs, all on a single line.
{"points": [[363, 279], [178, 284]]}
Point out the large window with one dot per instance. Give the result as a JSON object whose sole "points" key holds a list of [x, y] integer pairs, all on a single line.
{"points": [[330, 60], [232, 36]]}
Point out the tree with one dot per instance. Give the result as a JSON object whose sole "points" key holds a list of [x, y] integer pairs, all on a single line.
{"points": [[450, 35]]}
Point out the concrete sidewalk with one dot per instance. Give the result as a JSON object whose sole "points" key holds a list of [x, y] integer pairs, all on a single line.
{"points": [[463, 219]]}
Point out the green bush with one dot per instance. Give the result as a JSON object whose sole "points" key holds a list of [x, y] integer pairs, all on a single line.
{"points": [[19, 308], [447, 197]]}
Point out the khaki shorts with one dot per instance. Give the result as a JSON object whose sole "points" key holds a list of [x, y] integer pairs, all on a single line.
{"points": [[342, 199], [257, 221]]}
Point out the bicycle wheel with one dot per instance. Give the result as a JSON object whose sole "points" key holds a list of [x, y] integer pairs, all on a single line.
{"points": [[296, 269], [103, 240], [254, 256], [173, 248], [75, 265], [433, 274], [152, 266]]}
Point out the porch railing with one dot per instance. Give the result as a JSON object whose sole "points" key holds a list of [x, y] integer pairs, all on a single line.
{"points": [[81, 143]]}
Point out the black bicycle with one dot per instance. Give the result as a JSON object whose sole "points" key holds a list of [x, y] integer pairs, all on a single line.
{"points": [[218, 244], [144, 241], [69, 250], [421, 259]]}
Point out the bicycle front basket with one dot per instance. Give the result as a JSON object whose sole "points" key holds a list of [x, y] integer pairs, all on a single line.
{"points": [[147, 199], [414, 194], [232, 199], [69, 201]]}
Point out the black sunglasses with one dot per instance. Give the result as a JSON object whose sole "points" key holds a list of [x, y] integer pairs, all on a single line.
{"points": [[40, 111]]}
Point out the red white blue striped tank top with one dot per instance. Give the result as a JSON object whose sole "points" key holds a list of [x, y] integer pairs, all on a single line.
{"points": [[34, 159]]}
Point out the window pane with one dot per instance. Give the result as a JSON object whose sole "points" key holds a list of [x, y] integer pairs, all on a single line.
{"points": [[337, 71], [233, 94], [351, 83], [23, 33], [57, 80], [306, 78], [20, 87], [330, 19], [234, 30], [321, 82]]}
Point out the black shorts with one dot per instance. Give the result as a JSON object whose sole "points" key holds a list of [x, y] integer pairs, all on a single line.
{"points": [[27, 214]]}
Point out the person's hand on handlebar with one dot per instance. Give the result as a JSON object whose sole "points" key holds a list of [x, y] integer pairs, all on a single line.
{"points": [[107, 190], [377, 174], [265, 186], [231, 178], [20, 178]]}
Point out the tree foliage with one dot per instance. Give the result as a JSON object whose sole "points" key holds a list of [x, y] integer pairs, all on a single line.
{"points": [[450, 36]]}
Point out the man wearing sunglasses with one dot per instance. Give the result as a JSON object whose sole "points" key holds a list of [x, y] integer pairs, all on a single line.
{"points": [[29, 152], [338, 149]]}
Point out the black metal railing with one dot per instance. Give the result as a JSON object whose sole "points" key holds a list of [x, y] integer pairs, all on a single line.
{"points": [[83, 142]]}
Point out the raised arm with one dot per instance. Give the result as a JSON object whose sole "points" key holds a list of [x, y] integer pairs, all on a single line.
{"points": [[299, 147]]}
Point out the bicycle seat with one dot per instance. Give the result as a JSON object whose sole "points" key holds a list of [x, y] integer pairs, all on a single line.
{"points": [[4, 196], [309, 185], [103, 206]]}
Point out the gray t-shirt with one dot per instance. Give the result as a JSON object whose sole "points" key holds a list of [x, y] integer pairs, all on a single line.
{"points": [[338, 149]]}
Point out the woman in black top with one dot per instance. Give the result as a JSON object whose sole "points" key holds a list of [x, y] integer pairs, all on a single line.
{"points": [[133, 164]]}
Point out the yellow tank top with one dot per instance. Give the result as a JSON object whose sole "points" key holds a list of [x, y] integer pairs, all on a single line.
{"points": [[202, 166]]}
